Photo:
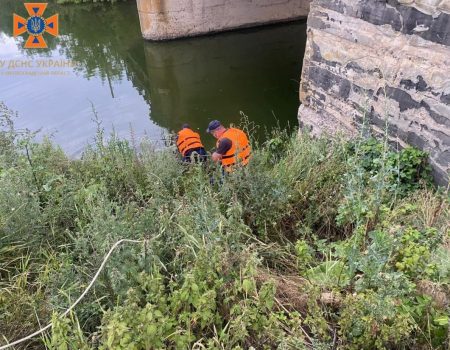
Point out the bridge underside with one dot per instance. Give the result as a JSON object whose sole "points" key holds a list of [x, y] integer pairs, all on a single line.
{"points": [[172, 19]]}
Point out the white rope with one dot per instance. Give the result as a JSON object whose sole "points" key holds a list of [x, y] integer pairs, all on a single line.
{"points": [[105, 259]]}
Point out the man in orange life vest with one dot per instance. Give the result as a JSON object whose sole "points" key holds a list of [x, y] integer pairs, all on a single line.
{"points": [[189, 142], [233, 146]]}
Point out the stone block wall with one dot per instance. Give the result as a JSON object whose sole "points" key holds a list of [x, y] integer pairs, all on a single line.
{"points": [[384, 60], [170, 19]]}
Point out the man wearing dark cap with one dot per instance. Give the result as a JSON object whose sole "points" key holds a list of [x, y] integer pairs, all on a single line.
{"points": [[233, 147], [189, 143]]}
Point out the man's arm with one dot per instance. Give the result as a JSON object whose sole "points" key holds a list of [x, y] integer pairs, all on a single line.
{"points": [[223, 147], [216, 157]]}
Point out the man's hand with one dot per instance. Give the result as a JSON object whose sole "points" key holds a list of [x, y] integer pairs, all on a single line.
{"points": [[216, 157]]}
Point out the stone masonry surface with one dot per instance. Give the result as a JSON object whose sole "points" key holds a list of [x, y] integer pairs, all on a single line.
{"points": [[383, 61]]}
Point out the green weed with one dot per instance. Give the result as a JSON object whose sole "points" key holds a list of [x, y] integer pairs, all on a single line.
{"points": [[318, 243]]}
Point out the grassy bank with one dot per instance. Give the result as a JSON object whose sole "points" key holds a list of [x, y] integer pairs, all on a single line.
{"points": [[319, 244]]}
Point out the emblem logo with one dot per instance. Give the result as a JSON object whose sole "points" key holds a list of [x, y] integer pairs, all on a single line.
{"points": [[35, 25]]}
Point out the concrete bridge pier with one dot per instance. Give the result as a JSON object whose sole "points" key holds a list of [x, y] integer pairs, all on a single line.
{"points": [[171, 19]]}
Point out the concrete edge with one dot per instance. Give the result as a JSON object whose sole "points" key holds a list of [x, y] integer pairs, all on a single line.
{"points": [[224, 30]]}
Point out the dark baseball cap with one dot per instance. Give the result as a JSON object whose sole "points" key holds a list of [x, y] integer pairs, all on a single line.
{"points": [[213, 125]]}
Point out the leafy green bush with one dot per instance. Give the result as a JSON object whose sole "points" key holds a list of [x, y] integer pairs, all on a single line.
{"points": [[371, 321], [413, 255]]}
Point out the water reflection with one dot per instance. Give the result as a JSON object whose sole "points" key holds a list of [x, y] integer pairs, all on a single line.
{"points": [[152, 86]]}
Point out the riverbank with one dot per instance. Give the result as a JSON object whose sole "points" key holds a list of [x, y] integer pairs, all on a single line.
{"points": [[152, 88], [319, 243]]}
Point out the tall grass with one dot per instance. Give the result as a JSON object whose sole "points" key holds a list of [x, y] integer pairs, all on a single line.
{"points": [[318, 243]]}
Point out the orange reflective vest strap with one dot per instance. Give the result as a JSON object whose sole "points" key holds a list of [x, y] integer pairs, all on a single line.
{"points": [[187, 140], [240, 150]]}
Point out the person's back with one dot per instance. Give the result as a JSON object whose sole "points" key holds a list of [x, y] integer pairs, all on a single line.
{"points": [[189, 144], [239, 152]]}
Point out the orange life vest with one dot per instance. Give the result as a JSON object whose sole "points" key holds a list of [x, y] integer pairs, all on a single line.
{"points": [[240, 150], [187, 140]]}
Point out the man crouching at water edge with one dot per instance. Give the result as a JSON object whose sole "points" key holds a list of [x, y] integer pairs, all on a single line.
{"points": [[233, 146], [190, 145]]}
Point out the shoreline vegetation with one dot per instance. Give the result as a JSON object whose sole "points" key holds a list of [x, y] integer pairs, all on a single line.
{"points": [[320, 243]]}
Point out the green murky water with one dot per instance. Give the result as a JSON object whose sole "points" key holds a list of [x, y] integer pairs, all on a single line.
{"points": [[150, 88]]}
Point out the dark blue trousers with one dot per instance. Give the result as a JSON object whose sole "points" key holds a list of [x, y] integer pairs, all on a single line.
{"points": [[199, 157]]}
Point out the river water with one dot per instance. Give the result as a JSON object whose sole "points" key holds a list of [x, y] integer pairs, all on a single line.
{"points": [[143, 88]]}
